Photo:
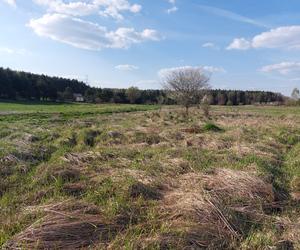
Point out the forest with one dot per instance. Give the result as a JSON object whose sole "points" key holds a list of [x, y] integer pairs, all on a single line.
{"points": [[19, 85]]}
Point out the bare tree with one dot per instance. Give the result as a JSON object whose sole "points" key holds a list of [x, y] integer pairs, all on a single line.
{"points": [[133, 93], [186, 86], [296, 94]]}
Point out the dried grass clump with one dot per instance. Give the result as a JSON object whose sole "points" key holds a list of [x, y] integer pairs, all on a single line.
{"points": [[292, 232], [9, 160], [66, 174], [214, 210], [192, 130], [197, 219], [75, 189], [241, 185], [49, 174], [66, 226], [148, 192], [81, 158], [140, 175]]}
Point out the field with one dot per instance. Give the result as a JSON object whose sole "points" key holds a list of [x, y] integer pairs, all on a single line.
{"points": [[74, 176]]}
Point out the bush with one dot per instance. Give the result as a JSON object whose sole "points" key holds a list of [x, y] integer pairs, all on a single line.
{"points": [[206, 109], [212, 127], [89, 137]]}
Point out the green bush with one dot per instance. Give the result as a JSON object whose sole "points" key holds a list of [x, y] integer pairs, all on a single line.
{"points": [[212, 127]]}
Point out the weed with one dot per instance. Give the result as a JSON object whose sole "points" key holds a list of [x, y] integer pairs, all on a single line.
{"points": [[212, 127]]}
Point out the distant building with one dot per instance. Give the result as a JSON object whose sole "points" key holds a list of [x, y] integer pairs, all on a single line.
{"points": [[78, 97]]}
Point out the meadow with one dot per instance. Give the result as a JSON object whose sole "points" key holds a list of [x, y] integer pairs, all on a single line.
{"points": [[87, 176]]}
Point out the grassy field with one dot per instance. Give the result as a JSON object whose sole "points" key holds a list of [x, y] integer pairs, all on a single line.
{"points": [[107, 177]]}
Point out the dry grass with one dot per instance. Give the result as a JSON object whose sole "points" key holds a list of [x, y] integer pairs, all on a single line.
{"points": [[65, 225], [156, 180], [209, 209]]}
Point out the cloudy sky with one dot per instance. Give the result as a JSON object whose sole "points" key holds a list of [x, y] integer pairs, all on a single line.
{"points": [[248, 44]]}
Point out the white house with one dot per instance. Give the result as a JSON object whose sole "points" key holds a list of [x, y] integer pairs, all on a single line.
{"points": [[78, 97]]}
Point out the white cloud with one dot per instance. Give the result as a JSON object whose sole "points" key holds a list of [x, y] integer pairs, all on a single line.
{"points": [[126, 67], [172, 10], [205, 69], [5, 50], [239, 43], [107, 8], [208, 45], [11, 2], [287, 37], [212, 69], [173, 7], [283, 68], [282, 37], [231, 15], [125, 37], [88, 35]]}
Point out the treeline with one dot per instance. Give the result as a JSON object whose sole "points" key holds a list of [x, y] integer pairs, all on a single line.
{"points": [[19, 85], [237, 97], [28, 86]]}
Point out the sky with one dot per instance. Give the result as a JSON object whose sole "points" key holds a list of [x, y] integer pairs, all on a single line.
{"points": [[241, 44]]}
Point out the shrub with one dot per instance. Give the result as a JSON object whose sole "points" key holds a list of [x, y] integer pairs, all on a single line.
{"points": [[212, 127], [89, 137], [206, 109]]}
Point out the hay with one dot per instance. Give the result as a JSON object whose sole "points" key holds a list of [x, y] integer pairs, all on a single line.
{"points": [[213, 210], [226, 183], [81, 158], [61, 229], [291, 231]]}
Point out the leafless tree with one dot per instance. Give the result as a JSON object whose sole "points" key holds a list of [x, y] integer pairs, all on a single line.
{"points": [[296, 94], [186, 86], [133, 93]]}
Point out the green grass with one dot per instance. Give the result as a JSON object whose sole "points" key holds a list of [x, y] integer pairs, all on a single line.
{"points": [[212, 127], [122, 160], [266, 110], [68, 108]]}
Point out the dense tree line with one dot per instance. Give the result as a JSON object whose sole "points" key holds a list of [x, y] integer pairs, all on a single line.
{"points": [[28, 86], [19, 85], [237, 97]]}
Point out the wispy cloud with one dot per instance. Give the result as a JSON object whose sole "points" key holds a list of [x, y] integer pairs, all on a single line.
{"points": [[231, 15], [171, 10], [206, 69], [173, 7], [84, 8], [5, 50], [283, 68], [126, 67], [11, 2], [210, 45]]}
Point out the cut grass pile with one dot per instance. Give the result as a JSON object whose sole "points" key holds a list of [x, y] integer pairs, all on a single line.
{"points": [[151, 179]]}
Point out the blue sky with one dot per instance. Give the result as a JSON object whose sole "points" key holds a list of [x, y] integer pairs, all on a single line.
{"points": [[249, 44]]}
